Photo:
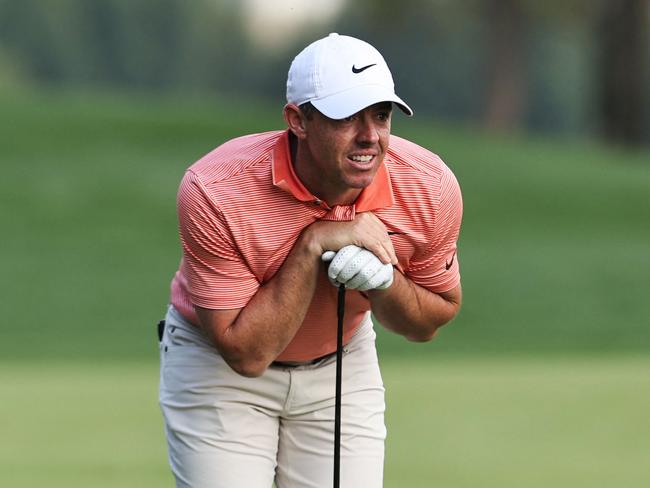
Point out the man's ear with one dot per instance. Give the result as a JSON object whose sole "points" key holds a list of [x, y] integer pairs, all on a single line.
{"points": [[295, 120]]}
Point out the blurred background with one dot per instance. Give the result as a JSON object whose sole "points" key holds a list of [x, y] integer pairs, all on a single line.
{"points": [[541, 109], [573, 67]]}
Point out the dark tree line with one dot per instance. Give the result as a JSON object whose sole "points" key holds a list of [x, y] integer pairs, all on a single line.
{"points": [[623, 41], [476, 59], [502, 39], [620, 38]]}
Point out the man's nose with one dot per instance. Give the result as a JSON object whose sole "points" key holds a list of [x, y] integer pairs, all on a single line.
{"points": [[368, 132]]}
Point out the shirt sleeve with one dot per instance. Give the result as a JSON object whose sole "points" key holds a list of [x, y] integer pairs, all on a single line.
{"points": [[217, 276], [437, 268]]}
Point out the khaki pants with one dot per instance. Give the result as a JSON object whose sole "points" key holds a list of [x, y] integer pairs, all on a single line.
{"points": [[227, 431]]}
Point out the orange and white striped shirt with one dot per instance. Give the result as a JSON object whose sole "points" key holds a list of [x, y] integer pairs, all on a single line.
{"points": [[241, 209]]}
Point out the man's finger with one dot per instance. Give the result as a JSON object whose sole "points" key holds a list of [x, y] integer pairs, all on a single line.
{"points": [[355, 265], [342, 257], [380, 280], [365, 273], [328, 256]]}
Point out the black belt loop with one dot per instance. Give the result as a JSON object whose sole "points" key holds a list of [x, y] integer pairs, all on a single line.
{"points": [[161, 330]]}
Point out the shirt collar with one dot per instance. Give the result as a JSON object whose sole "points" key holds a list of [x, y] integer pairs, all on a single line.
{"points": [[379, 194]]}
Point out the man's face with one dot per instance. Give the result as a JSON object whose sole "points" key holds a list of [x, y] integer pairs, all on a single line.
{"points": [[341, 157]]}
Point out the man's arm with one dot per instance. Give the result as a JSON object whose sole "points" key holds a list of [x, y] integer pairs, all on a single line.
{"points": [[413, 311], [250, 338]]}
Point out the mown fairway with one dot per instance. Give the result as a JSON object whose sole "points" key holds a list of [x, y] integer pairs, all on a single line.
{"points": [[541, 381], [458, 423], [569, 423]]}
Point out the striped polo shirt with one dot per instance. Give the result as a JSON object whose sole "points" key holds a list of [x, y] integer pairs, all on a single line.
{"points": [[241, 208]]}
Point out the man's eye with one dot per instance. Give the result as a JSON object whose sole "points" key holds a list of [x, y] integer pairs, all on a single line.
{"points": [[349, 119]]}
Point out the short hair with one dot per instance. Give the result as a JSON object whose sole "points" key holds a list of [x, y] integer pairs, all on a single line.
{"points": [[308, 110]]}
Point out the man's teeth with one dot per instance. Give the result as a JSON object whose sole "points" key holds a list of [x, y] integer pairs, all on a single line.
{"points": [[361, 159]]}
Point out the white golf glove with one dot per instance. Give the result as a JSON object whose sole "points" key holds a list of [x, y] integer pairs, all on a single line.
{"points": [[358, 269]]}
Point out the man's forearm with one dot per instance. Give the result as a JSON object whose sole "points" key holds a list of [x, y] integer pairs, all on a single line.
{"points": [[268, 323], [249, 339], [412, 311]]}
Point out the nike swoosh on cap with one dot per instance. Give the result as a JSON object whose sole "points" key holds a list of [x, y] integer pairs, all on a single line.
{"points": [[356, 70]]}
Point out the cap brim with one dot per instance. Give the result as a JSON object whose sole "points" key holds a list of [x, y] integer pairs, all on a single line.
{"points": [[349, 102]]}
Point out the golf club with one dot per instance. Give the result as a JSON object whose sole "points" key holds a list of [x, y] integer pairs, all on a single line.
{"points": [[340, 310]]}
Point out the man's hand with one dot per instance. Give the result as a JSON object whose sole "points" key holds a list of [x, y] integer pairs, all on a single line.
{"points": [[365, 231], [358, 269]]}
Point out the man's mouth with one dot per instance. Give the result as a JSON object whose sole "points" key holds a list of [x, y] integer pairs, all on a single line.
{"points": [[362, 161]]}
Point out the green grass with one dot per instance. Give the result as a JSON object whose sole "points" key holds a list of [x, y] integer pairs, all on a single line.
{"points": [[512, 423], [553, 249], [542, 380], [553, 244], [88, 206], [457, 423], [71, 424]]}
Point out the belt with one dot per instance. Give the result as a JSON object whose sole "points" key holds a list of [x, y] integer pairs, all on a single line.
{"points": [[309, 362]]}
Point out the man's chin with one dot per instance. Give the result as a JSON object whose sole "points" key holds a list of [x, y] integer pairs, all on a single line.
{"points": [[359, 183]]}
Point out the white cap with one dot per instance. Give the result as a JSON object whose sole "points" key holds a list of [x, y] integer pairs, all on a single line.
{"points": [[340, 76]]}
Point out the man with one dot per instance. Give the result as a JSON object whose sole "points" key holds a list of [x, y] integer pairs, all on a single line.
{"points": [[247, 363]]}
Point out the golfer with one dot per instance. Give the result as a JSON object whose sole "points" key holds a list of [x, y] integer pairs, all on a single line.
{"points": [[270, 225]]}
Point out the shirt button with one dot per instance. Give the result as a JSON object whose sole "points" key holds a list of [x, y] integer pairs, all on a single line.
{"points": [[317, 202]]}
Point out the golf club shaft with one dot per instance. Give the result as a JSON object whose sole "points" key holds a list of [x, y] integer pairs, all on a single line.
{"points": [[340, 310]]}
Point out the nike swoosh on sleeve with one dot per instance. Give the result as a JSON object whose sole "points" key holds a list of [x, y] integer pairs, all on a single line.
{"points": [[448, 264]]}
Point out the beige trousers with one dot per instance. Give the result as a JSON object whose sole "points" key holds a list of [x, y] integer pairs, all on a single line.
{"points": [[227, 431]]}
